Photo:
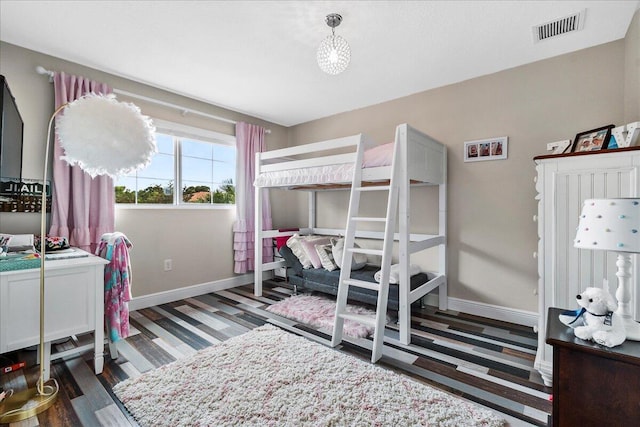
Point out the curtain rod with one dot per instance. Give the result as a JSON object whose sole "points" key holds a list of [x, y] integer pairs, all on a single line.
{"points": [[184, 110]]}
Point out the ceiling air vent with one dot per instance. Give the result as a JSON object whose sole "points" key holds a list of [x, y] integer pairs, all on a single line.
{"points": [[558, 27]]}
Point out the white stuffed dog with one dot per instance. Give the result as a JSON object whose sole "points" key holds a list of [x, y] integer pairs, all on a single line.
{"points": [[602, 324]]}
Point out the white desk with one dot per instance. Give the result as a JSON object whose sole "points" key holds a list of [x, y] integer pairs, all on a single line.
{"points": [[74, 304]]}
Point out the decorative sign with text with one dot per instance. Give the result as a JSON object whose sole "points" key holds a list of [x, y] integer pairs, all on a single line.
{"points": [[23, 195]]}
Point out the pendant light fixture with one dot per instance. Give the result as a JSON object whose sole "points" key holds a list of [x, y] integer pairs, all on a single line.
{"points": [[334, 52]]}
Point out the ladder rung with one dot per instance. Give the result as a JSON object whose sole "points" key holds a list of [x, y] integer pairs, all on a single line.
{"points": [[379, 252], [363, 284], [374, 188], [360, 318], [368, 219]]}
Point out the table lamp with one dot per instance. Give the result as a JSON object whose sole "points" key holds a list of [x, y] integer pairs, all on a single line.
{"points": [[614, 225], [103, 137]]}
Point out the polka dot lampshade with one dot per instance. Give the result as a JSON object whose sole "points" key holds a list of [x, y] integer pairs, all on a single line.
{"points": [[610, 225]]}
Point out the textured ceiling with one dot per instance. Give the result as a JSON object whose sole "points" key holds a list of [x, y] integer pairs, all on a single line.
{"points": [[258, 57]]}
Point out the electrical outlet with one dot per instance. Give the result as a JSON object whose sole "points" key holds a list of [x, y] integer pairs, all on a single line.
{"points": [[168, 265]]}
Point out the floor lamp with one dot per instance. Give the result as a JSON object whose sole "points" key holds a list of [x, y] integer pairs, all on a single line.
{"points": [[103, 137], [614, 225]]}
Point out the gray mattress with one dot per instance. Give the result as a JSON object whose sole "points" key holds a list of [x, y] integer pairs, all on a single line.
{"points": [[325, 281]]}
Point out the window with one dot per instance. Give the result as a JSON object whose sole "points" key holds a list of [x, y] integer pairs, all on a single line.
{"points": [[193, 167]]}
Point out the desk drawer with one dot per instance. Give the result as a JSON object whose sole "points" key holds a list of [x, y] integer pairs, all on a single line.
{"points": [[70, 300]]}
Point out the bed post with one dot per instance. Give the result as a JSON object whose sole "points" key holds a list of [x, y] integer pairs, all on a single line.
{"points": [[404, 287], [257, 243], [443, 300], [312, 211]]}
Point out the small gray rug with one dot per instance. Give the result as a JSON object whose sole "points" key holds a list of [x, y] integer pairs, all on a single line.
{"points": [[269, 377]]}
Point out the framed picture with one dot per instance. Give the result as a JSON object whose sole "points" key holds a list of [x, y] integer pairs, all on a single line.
{"points": [[486, 149], [592, 140], [558, 147]]}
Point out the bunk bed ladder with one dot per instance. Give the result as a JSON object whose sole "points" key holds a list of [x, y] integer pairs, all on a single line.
{"points": [[379, 321]]}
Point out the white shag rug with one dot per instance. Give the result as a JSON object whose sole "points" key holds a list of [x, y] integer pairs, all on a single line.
{"points": [[320, 312], [269, 377]]}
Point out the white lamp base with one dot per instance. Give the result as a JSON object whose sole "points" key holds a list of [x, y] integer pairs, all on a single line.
{"points": [[623, 295]]}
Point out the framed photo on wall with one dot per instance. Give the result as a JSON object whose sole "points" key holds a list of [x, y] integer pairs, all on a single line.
{"points": [[486, 149], [592, 140]]}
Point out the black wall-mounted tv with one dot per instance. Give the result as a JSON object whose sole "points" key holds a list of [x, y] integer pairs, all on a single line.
{"points": [[11, 129]]}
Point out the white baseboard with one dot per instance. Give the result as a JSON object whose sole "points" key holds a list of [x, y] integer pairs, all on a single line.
{"points": [[151, 300], [505, 314]]}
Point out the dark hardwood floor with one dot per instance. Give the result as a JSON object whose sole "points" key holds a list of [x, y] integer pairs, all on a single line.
{"points": [[483, 360]]}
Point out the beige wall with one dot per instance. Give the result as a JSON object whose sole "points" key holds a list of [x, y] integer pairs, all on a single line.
{"points": [[198, 241], [632, 71], [491, 204]]}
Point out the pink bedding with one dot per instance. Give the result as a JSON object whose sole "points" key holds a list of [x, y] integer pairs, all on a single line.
{"points": [[380, 155]]}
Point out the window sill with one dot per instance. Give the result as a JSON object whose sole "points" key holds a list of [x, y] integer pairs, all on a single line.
{"points": [[126, 206]]}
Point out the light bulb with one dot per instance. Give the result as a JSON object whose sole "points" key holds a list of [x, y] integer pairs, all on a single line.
{"points": [[333, 56]]}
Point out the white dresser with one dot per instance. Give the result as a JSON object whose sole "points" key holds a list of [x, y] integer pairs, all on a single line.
{"points": [[563, 182], [74, 304]]}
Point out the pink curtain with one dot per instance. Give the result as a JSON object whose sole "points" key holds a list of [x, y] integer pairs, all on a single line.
{"points": [[83, 209], [249, 141]]}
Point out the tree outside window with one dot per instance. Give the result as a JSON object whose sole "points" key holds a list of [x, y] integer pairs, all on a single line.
{"points": [[202, 170]]}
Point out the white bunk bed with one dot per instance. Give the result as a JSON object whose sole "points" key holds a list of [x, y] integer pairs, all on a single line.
{"points": [[331, 164]]}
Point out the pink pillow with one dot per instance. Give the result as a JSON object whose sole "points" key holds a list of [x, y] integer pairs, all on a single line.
{"points": [[309, 247], [380, 155]]}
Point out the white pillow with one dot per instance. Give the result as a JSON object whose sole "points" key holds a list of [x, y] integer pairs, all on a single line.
{"points": [[309, 246], [295, 244], [357, 261], [326, 257]]}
